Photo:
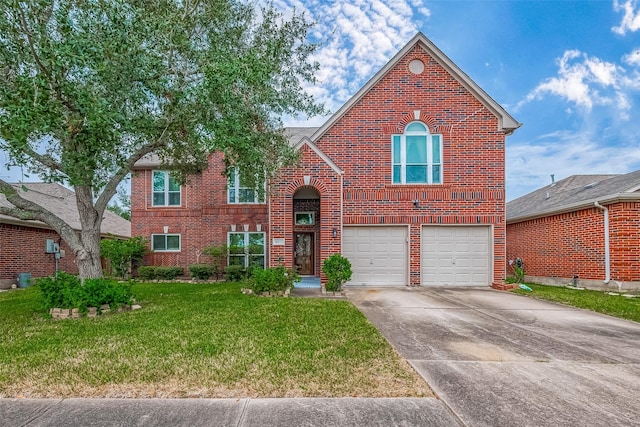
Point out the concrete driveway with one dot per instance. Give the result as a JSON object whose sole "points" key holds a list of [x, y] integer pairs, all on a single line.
{"points": [[500, 359]]}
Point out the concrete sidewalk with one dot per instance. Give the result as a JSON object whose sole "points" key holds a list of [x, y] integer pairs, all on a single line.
{"points": [[225, 412], [500, 359]]}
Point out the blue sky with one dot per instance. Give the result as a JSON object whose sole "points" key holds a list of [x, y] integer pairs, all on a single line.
{"points": [[568, 70]]}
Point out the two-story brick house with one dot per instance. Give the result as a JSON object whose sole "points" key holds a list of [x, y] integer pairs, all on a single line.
{"points": [[407, 180]]}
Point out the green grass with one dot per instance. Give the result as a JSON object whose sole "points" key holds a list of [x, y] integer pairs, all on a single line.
{"points": [[599, 301], [199, 340]]}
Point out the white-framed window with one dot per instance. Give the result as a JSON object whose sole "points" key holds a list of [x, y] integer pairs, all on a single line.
{"points": [[246, 249], [166, 190], [304, 218], [239, 192], [416, 156], [165, 242]]}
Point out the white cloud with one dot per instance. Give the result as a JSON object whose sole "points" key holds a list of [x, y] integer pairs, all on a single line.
{"points": [[632, 58], [565, 153], [357, 38], [631, 18], [586, 82]]}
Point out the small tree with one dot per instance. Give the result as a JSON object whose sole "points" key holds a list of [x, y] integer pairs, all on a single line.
{"points": [[218, 255], [338, 271], [123, 253]]}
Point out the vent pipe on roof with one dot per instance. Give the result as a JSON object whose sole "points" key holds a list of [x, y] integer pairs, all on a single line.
{"points": [[607, 253], [553, 180]]}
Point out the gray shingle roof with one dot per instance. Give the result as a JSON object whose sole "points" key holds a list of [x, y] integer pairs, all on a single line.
{"points": [[573, 193], [61, 201]]}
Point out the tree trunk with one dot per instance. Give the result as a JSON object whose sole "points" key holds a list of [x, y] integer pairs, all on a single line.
{"points": [[88, 255]]}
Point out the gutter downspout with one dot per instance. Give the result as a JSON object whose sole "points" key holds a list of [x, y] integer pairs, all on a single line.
{"points": [[607, 253]]}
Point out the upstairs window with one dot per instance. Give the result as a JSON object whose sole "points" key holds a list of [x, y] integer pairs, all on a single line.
{"points": [[417, 156], [240, 192], [166, 190]]}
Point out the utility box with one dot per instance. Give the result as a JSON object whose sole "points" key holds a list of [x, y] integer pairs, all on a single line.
{"points": [[51, 247], [24, 280]]}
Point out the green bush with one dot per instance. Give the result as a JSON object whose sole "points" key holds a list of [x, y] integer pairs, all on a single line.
{"points": [[276, 279], [169, 273], [66, 291], [147, 272], [202, 271], [218, 255], [122, 254], [338, 271], [150, 272], [234, 273]]}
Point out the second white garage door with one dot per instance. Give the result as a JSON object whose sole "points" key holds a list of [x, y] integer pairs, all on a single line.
{"points": [[455, 256], [378, 255]]}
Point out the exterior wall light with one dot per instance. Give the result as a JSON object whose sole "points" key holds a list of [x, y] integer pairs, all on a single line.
{"points": [[335, 232]]}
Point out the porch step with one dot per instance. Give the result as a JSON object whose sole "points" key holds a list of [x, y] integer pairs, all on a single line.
{"points": [[308, 282]]}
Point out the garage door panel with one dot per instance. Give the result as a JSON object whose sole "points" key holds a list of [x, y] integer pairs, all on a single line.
{"points": [[455, 255], [378, 255]]}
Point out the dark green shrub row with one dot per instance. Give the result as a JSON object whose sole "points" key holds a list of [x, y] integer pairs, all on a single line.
{"points": [[66, 291], [275, 279], [204, 271], [150, 272]]}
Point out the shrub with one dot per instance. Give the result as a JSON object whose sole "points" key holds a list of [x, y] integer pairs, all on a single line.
{"points": [[234, 273], [122, 254], [518, 269], [218, 255], [169, 273], [338, 271], [202, 271], [276, 279], [147, 272], [66, 291]]}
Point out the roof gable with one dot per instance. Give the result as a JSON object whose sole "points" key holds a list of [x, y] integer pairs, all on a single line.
{"points": [[506, 122], [306, 141]]}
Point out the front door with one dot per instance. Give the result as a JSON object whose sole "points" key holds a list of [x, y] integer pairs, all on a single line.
{"points": [[304, 253]]}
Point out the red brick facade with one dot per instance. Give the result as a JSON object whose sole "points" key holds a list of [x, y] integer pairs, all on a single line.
{"points": [[22, 251], [349, 165], [558, 247]]}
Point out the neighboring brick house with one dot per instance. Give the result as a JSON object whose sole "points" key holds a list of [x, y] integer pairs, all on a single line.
{"points": [[22, 243], [406, 180], [584, 226]]}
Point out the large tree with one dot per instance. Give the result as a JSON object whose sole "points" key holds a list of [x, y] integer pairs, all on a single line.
{"points": [[89, 87]]}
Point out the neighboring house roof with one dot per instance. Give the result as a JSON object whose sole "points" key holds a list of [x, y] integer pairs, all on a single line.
{"points": [[506, 122], [62, 202], [574, 193]]}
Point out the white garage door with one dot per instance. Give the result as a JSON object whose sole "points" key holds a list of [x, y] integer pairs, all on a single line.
{"points": [[455, 256], [378, 255]]}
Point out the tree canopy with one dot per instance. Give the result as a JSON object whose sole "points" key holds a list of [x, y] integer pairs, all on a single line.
{"points": [[90, 87]]}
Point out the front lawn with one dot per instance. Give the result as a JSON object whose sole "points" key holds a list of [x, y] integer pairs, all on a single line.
{"points": [[199, 340], [600, 301]]}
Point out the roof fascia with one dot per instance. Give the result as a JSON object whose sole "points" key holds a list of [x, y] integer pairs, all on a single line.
{"points": [[506, 123], [604, 200], [320, 154]]}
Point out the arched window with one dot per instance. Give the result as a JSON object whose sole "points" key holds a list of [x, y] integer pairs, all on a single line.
{"points": [[417, 156]]}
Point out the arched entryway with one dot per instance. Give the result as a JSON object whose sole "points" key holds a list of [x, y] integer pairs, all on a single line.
{"points": [[306, 235]]}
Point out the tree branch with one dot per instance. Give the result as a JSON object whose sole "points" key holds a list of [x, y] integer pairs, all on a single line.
{"points": [[110, 189], [27, 210]]}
